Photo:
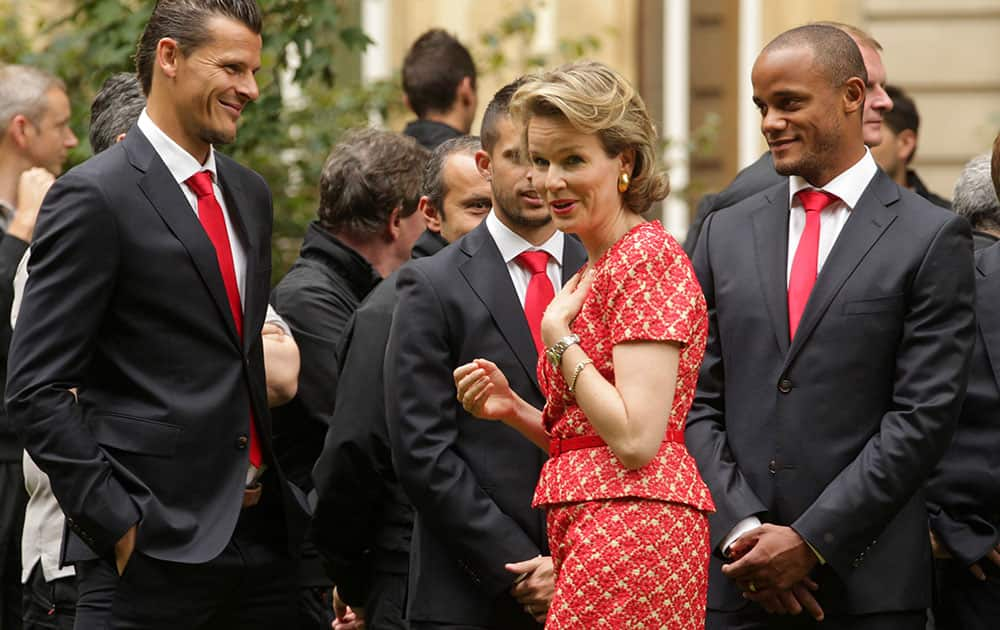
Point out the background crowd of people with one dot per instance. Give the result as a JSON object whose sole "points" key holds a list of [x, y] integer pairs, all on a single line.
{"points": [[491, 392]]}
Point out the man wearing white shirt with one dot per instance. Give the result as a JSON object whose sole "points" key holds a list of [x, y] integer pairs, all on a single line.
{"points": [[136, 373], [840, 330], [479, 552]]}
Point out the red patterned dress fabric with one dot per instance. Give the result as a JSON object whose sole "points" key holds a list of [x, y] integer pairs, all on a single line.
{"points": [[630, 547]]}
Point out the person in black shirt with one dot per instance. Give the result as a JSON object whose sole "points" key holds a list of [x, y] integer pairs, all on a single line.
{"points": [[439, 85]]}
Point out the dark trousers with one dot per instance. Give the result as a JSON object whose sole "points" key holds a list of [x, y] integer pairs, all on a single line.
{"points": [[386, 602], [753, 617], [250, 585], [13, 498], [962, 602], [49, 605]]}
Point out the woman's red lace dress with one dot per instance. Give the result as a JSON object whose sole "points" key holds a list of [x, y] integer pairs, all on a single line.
{"points": [[630, 547]]}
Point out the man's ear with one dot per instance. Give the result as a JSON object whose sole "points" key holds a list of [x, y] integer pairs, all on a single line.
{"points": [[906, 145], [465, 93], [431, 215], [392, 226], [168, 53], [483, 164], [854, 95], [19, 130]]}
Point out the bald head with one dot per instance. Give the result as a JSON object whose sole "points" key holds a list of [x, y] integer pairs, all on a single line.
{"points": [[835, 53]]}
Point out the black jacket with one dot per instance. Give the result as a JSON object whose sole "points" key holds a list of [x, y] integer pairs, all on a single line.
{"points": [[11, 251], [125, 301], [429, 133], [317, 297], [914, 183], [362, 521]]}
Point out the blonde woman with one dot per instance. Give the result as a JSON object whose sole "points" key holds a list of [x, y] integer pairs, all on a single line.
{"points": [[627, 508]]}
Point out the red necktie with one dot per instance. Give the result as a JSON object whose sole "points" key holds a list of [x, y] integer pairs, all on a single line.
{"points": [[803, 276], [210, 214], [539, 293]]}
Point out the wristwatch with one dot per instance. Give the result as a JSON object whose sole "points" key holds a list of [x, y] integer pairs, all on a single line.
{"points": [[556, 350]]}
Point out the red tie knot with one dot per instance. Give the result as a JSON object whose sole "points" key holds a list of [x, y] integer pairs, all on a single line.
{"points": [[201, 184], [815, 200], [534, 262]]}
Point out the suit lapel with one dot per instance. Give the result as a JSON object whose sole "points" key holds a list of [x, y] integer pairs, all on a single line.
{"points": [[574, 255], [988, 304], [868, 221], [237, 205], [164, 193], [770, 232], [486, 272]]}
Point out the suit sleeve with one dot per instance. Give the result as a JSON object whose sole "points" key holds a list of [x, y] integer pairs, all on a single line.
{"points": [[962, 492], [930, 380], [705, 434], [72, 275], [423, 418], [348, 481]]}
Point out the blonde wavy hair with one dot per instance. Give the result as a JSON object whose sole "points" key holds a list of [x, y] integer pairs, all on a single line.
{"points": [[595, 99]]}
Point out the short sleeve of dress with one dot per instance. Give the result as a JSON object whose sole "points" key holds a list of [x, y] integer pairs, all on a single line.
{"points": [[655, 295]]}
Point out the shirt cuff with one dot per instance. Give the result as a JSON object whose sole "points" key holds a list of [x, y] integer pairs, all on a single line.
{"points": [[747, 524], [273, 317]]}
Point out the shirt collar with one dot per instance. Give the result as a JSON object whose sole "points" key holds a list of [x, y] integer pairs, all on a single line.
{"points": [[511, 245], [181, 164], [848, 186]]}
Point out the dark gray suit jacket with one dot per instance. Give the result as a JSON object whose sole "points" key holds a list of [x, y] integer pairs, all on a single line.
{"points": [[125, 301], [963, 494], [834, 433], [470, 481]]}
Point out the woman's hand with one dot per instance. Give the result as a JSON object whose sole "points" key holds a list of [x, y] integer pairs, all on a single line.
{"points": [[565, 306], [484, 391]]}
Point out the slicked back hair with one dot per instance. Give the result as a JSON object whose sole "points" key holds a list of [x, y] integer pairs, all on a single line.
{"points": [[23, 91], [433, 69], [833, 50], [115, 109], [498, 107], [434, 186], [369, 174], [186, 21]]}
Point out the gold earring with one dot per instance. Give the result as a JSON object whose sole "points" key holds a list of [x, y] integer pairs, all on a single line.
{"points": [[623, 182]]}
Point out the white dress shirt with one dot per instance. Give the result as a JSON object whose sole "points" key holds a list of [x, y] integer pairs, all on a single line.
{"points": [[512, 245], [848, 187], [182, 165]]}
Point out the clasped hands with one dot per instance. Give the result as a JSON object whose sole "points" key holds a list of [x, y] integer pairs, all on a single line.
{"points": [[771, 565], [534, 585]]}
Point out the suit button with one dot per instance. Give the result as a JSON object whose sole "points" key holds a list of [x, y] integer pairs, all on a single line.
{"points": [[772, 467], [785, 385], [242, 441]]}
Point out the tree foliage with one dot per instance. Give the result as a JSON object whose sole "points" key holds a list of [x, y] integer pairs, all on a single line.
{"points": [[310, 88]]}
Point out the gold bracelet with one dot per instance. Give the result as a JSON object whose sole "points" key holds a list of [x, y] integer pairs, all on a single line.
{"points": [[576, 373]]}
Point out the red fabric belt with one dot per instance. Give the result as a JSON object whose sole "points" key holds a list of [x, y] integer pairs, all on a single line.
{"points": [[557, 446]]}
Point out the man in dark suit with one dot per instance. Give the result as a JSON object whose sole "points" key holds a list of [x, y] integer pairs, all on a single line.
{"points": [[841, 324], [136, 376], [761, 175], [478, 555], [34, 140], [963, 493], [362, 521]]}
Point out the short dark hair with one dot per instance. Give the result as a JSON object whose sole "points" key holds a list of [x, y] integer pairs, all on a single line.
{"points": [[433, 68], [433, 185], [115, 109], [833, 50], [186, 21], [903, 114], [498, 107], [368, 174]]}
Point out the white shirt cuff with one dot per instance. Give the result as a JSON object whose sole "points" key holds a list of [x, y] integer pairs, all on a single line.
{"points": [[750, 522]]}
